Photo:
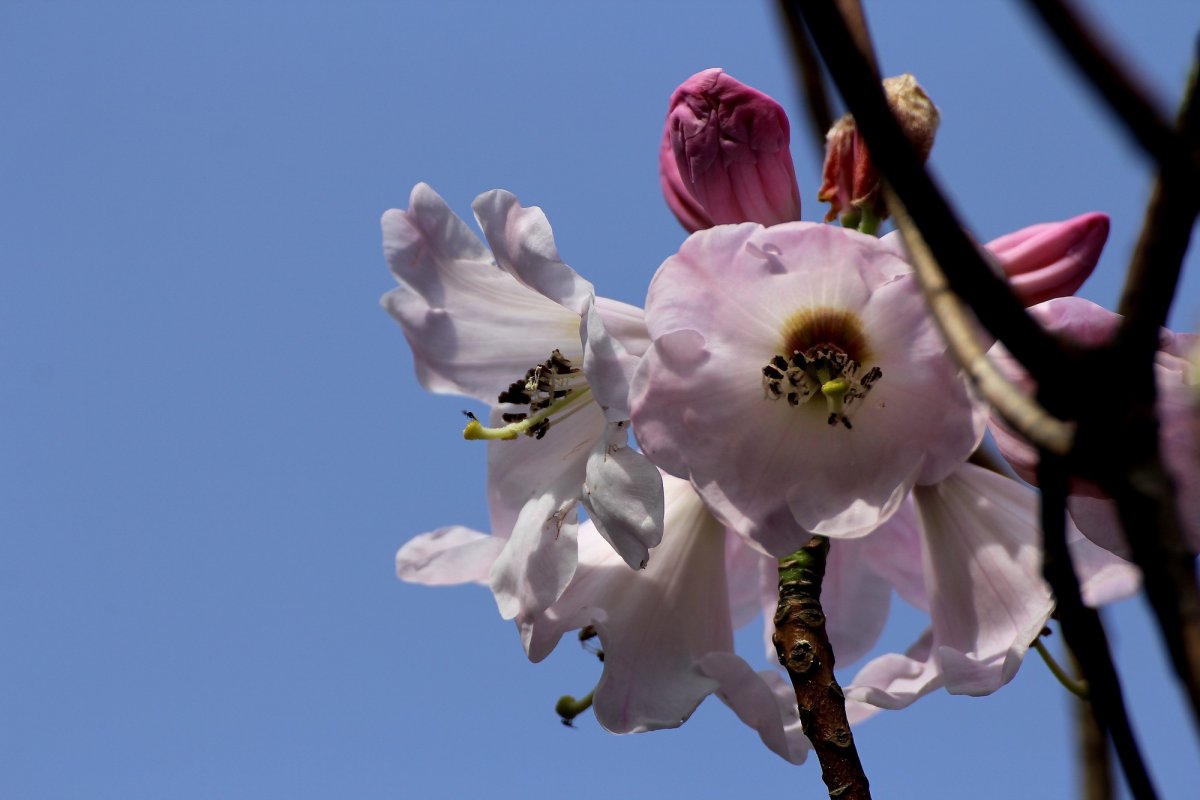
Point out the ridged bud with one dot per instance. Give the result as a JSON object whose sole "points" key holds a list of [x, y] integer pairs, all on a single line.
{"points": [[724, 155], [1052, 259]]}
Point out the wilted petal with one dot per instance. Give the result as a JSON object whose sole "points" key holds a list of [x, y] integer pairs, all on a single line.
{"points": [[448, 556]]}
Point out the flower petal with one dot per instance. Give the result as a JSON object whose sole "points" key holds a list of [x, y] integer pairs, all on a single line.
{"points": [[623, 495], [982, 560], [654, 624], [762, 700], [473, 328], [895, 681], [523, 244], [448, 556]]}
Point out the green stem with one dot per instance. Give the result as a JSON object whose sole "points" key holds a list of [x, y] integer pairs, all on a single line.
{"points": [[1076, 687]]}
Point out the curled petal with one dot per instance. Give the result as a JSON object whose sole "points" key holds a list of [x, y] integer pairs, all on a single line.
{"points": [[523, 245], [448, 556], [472, 327], [895, 681], [762, 700], [623, 495]]}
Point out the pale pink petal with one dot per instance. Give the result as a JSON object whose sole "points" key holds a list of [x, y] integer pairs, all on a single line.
{"points": [[523, 244], [762, 700], [895, 681], [623, 495], [533, 488], [988, 601], [893, 551], [751, 575], [608, 366], [626, 322], [448, 556], [472, 327], [1088, 324], [1103, 577], [654, 624], [855, 599]]}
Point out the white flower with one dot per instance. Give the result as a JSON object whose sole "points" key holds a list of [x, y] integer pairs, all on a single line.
{"points": [[518, 329]]}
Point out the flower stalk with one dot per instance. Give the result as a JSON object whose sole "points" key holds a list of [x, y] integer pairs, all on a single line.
{"points": [[804, 651]]}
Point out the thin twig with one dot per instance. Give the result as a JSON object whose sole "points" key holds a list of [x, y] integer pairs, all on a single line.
{"points": [[1123, 94], [1083, 630], [812, 77], [1158, 258], [804, 650]]}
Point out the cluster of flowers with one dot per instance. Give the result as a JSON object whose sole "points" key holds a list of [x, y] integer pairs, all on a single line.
{"points": [[783, 380]]}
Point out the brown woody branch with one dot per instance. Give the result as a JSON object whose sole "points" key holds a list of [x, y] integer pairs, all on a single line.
{"points": [[805, 652]]}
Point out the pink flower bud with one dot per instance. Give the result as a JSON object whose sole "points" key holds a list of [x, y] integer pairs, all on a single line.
{"points": [[850, 182], [725, 157], [1052, 259]]}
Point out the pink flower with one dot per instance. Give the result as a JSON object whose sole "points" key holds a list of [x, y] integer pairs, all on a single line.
{"points": [[797, 380], [518, 329], [1176, 377], [1052, 259], [724, 155]]}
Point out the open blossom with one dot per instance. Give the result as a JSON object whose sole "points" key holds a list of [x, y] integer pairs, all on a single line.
{"points": [[797, 380], [724, 155], [518, 329], [1176, 378]]}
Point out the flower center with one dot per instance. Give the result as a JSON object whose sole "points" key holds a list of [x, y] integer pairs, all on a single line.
{"points": [[552, 391], [823, 350]]}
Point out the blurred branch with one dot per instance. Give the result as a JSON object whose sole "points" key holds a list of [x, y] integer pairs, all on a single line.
{"points": [[1126, 420], [1083, 630], [812, 77], [1123, 95], [967, 273], [1095, 762]]}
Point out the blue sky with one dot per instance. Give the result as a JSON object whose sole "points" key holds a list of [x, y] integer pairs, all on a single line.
{"points": [[212, 441]]}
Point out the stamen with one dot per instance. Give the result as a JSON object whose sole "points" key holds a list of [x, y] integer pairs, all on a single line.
{"points": [[825, 368], [554, 388]]}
